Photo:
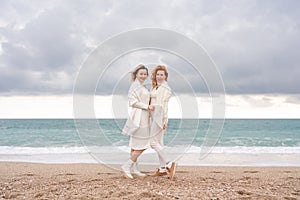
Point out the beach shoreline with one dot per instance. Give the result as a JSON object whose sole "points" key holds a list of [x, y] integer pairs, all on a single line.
{"points": [[185, 159], [20, 180]]}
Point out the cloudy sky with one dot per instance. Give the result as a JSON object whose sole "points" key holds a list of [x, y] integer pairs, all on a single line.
{"points": [[255, 45]]}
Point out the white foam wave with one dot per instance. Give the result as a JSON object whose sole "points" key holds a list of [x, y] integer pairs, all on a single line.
{"points": [[227, 156], [249, 150], [9, 150]]}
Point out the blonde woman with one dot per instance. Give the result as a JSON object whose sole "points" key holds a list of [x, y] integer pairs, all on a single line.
{"points": [[137, 126], [160, 95]]}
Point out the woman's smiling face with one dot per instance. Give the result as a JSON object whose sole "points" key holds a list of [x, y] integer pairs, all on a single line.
{"points": [[142, 75], [160, 76]]}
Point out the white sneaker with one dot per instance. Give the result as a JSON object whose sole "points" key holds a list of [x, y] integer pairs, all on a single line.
{"points": [[135, 171], [126, 168]]}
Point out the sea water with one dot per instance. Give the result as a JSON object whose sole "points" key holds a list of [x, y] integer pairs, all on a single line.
{"points": [[237, 142]]}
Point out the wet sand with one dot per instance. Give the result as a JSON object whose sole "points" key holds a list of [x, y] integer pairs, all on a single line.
{"points": [[94, 181]]}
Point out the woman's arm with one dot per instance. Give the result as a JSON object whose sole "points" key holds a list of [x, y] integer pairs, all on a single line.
{"points": [[135, 103], [166, 98]]}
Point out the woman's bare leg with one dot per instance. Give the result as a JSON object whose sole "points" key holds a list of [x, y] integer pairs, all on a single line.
{"points": [[134, 154]]}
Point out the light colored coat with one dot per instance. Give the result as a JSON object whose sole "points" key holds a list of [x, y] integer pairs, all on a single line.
{"points": [[160, 97], [139, 98]]}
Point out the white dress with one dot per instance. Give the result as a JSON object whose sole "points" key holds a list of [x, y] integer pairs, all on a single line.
{"points": [[159, 98], [137, 126]]}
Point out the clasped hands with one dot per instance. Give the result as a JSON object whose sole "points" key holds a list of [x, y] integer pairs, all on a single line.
{"points": [[151, 107]]}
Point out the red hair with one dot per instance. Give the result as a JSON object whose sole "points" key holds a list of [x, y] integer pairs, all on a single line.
{"points": [[154, 71]]}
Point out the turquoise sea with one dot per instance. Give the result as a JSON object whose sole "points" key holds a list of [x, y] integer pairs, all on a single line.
{"points": [[241, 142]]}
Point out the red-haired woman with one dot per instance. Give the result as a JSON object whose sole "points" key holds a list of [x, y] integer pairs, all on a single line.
{"points": [[160, 95]]}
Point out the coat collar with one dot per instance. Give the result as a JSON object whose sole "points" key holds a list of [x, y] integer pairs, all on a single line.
{"points": [[138, 83]]}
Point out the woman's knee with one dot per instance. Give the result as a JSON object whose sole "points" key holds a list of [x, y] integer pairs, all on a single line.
{"points": [[139, 151], [156, 146]]}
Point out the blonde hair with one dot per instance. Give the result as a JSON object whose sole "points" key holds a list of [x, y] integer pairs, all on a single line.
{"points": [[154, 71], [136, 70]]}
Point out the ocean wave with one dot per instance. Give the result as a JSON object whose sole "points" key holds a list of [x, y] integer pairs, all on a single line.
{"points": [[12, 150]]}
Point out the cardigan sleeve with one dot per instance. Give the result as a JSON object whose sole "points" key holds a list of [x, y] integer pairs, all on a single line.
{"points": [[165, 102], [135, 102]]}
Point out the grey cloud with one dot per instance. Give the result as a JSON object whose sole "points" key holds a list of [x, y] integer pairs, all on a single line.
{"points": [[294, 99], [256, 48], [45, 42], [183, 77], [39, 53], [254, 43], [263, 102]]}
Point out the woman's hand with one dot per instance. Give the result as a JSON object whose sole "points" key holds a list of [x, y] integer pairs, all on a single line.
{"points": [[151, 107], [165, 126]]}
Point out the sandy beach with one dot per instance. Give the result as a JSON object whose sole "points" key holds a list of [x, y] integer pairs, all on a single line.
{"points": [[94, 181]]}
